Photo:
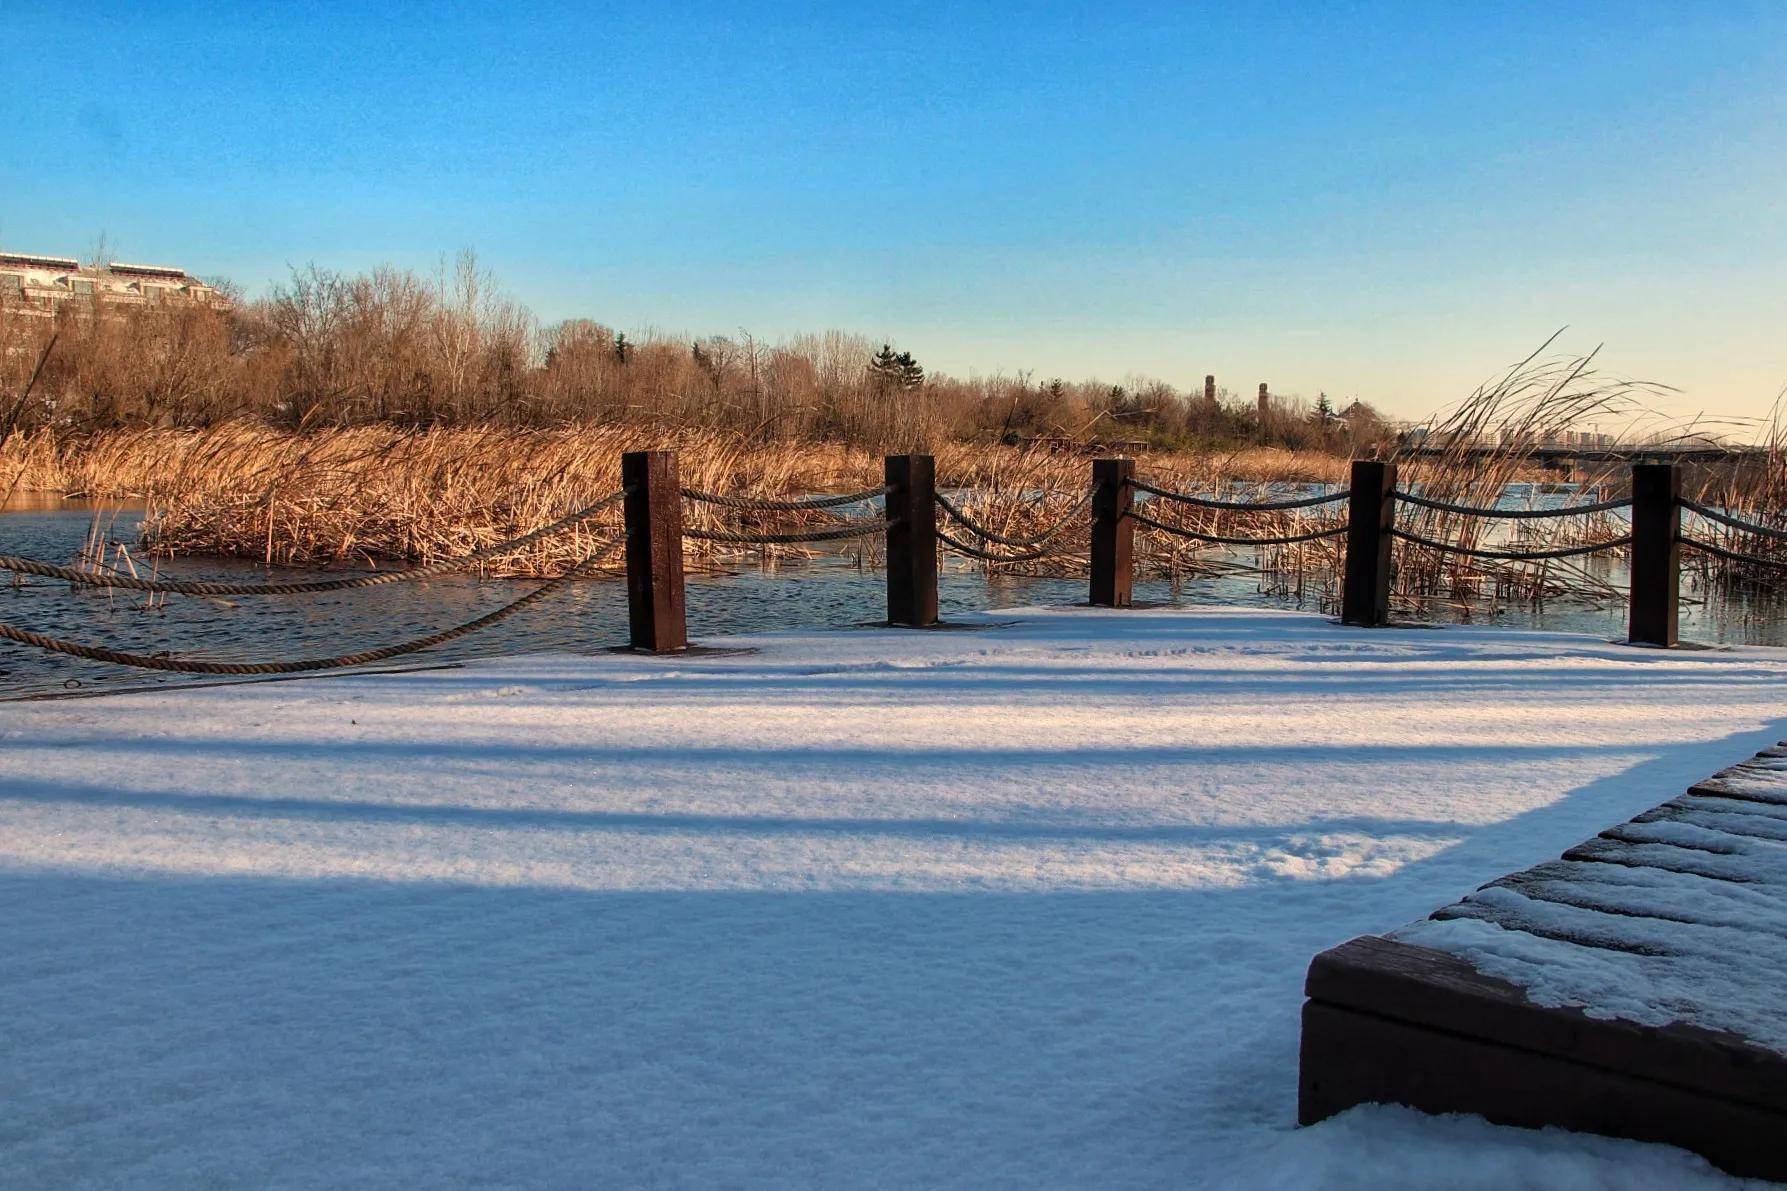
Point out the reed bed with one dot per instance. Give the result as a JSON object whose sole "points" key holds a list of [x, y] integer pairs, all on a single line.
{"points": [[378, 495], [1534, 401], [381, 495]]}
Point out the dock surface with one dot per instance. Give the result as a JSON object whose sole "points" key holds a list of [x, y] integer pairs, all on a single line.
{"points": [[1029, 905]]}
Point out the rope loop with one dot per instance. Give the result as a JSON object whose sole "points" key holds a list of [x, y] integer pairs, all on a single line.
{"points": [[100, 653], [963, 519], [975, 552], [1732, 555], [855, 529], [1512, 555], [1240, 506], [1445, 506], [1226, 540], [793, 505], [1724, 518]]}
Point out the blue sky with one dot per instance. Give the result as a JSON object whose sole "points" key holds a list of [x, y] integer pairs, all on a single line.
{"points": [[1388, 201]]}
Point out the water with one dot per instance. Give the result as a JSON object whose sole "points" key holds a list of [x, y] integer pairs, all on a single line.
{"points": [[829, 592]]}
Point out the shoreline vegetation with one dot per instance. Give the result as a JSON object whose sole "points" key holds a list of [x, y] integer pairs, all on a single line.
{"points": [[385, 419]]}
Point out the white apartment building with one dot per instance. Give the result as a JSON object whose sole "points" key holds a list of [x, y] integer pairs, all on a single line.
{"points": [[42, 285]]}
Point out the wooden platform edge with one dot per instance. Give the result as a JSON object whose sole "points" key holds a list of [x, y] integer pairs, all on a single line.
{"points": [[1391, 1023]]}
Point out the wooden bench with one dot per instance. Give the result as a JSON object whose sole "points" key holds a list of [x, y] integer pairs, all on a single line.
{"points": [[1636, 987]]}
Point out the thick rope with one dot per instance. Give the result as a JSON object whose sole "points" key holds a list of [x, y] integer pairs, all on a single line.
{"points": [[32, 566], [1724, 518], [1512, 555], [1036, 539], [99, 653], [810, 502], [1224, 540], [856, 529], [1732, 555], [986, 556], [1240, 506], [1509, 514]]}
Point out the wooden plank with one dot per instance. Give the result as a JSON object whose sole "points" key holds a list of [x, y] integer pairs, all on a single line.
{"points": [[1351, 1057], [656, 616], [1371, 515], [1113, 533], [1666, 857], [911, 540], [1656, 554], [1438, 991]]}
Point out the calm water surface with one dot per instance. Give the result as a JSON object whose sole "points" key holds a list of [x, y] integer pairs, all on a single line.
{"points": [[829, 592]]}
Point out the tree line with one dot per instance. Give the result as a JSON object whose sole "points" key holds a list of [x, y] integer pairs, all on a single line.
{"points": [[326, 348]]}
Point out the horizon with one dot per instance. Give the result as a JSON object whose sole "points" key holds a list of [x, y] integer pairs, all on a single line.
{"points": [[1391, 207]]}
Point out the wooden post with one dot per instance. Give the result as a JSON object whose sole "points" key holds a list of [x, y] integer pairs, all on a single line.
{"points": [[1365, 594], [1656, 554], [656, 616], [1113, 532], [912, 541]]}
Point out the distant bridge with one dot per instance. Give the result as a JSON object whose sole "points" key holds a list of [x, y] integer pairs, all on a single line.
{"points": [[1563, 455]]}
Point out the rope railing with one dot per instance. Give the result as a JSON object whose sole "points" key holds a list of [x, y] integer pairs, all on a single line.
{"points": [[1732, 555], [1511, 555], [1724, 518], [917, 520], [961, 547], [855, 529], [86, 578], [1227, 540], [1046, 535], [99, 653], [779, 505], [1445, 506], [1240, 506]]}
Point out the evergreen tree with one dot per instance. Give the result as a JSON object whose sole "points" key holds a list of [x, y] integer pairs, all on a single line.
{"points": [[890, 370], [623, 351], [912, 373], [884, 368]]}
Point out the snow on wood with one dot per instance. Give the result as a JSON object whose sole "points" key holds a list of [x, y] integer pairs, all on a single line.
{"points": [[1030, 905]]}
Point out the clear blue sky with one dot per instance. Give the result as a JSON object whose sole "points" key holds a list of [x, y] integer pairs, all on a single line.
{"points": [[1384, 200]]}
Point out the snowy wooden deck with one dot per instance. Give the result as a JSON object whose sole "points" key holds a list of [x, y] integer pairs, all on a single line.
{"points": [[1022, 907], [1631, 988]]}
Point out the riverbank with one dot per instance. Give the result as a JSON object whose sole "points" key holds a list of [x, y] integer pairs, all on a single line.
{"points": [[1022, 906]]}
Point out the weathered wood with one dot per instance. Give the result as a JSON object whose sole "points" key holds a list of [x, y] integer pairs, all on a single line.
{"points": [[656, 615], [1113, 533], [911, 541], [1371, 514], [1656, 554], [1442, 992], [1388, 1021], [1351, 1057]]}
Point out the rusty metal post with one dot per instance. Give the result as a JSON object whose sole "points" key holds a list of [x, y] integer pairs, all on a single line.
{"points": [[1653, 617], [912, 541], [1113, 533], [1371, 514], [656, 616]]}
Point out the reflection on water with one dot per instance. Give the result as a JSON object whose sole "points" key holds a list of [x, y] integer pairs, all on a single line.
{"points": [[830, 592]]}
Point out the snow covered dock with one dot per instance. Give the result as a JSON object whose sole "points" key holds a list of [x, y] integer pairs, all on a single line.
{"points": [[1024, 906]]}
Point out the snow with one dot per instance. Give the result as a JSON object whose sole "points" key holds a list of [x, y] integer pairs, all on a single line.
{"points": [[1023, 906], [1650, 944]]}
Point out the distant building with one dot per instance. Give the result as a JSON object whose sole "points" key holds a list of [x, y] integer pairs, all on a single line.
{"points": [[42, 285]]}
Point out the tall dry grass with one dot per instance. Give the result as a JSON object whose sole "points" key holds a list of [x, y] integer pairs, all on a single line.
{"points": [[372, 495]]}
